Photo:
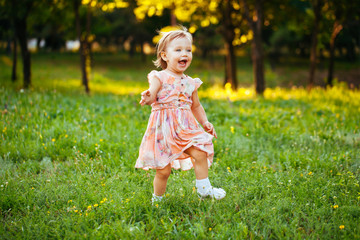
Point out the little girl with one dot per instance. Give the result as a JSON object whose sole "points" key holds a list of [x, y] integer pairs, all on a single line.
{"points": [[174, 138]]}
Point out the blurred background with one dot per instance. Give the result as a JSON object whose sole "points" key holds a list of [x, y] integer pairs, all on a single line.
{"points": [[242, 43]]}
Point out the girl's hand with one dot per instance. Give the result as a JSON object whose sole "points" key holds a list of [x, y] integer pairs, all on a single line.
{"points": [[145, 98], [209, 128]]}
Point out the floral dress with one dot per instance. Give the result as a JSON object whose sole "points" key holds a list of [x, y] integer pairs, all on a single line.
{"points": [[172, 127]]}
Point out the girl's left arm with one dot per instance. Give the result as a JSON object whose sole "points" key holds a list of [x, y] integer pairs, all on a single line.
{"points": [[200, 115]]}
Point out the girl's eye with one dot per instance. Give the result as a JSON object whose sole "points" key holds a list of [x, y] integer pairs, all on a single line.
{"points": [[189, 50], [178, 50]]}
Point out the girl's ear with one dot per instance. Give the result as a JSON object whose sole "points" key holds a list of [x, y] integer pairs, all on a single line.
{"points": [[163, 56]]}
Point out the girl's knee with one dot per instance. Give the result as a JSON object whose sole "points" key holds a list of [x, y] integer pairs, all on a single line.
{"points": [[196, 153], [164, 173]]}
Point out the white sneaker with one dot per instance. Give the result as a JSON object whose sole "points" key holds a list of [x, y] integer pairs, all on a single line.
{"points": [[217, 193]]}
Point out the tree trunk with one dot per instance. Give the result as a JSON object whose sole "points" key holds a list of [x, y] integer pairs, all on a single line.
{"points": [[257, 53], [173, 21], [230, 58], [14, 65], [257, 50], [87, 53], [20, 25], [317, 5], [336, 29], [82, 47], [143, 55], [230, 65], [257, 57]]}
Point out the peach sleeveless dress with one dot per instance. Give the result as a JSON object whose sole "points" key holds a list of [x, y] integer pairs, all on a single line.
{"points": [[172, 127]]}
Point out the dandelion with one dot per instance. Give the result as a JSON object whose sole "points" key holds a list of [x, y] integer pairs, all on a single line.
{"points": [[157, 205], [101, 140], [96, 144], [69, 201], [310, 173], [76, 211], [210, 229], [232, 129], [96, 205], [89, 208], [301, 175], [336, 206], [228, 168], [66, 136], [53, 140], [341, 227]]}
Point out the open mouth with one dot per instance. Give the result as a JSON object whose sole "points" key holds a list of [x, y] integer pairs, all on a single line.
{"points": [[183, 62]]}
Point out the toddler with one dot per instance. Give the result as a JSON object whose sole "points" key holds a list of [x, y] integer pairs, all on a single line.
{"points": [[174, 138]]}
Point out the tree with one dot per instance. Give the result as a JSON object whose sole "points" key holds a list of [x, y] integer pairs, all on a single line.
{"points": [[256, 22], [316, 7], [7, 31], [338, 15], [85, 37], [20, 19]]}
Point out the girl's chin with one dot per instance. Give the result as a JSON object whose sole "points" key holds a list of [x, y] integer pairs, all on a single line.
{"points": [[182, 67]]}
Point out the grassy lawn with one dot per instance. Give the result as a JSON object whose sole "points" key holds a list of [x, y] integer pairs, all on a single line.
{"points": [[290, 162]]}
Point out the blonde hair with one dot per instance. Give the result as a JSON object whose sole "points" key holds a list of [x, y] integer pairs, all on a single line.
{"points": [[167, 37]]}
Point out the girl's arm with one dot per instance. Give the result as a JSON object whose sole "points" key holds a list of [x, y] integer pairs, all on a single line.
{"points": [[149, 96], [200, 115]]}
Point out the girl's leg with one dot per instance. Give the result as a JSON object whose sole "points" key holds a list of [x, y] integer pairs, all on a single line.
{"points": [[160, 180], [200, 164], [203, 184]]}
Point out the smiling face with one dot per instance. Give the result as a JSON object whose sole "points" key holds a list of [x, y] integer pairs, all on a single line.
{"points": [[178, 55]]}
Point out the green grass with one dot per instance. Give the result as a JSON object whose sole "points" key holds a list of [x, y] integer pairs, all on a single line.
{"points": [[290, 163]]}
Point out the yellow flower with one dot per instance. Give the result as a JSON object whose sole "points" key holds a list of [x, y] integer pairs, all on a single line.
{"points": [[89, 207], [101, 140], [341, 226], [76, 210], [69, 201], [210, 229], [310, 173], [95, 205], [53, 139], [336, 206], [157, 205], [232, 129], [66, 135]]}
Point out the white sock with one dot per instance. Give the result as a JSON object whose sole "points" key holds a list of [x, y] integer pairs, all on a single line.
{"points": [[156, 198], [203, 185], [205, 189]]}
